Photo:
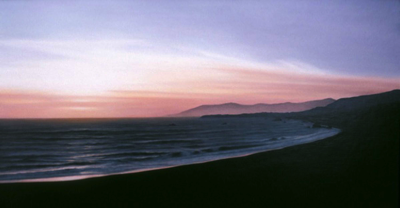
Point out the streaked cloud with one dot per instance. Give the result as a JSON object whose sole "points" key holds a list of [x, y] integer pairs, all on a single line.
{"points": [[240, 85], [153, 58]]}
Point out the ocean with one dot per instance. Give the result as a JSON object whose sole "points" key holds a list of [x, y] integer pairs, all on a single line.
{"points": [[70, 149]]}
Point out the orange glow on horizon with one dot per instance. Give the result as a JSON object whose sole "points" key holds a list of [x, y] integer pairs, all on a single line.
{"points": [[244, 86]]}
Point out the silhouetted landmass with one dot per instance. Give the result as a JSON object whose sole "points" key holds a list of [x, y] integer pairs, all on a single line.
{"points": [[356, 168], [353, 105], [234, 108]]}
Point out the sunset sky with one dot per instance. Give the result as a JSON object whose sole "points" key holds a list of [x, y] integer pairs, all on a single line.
{"points": [[153, 58]]}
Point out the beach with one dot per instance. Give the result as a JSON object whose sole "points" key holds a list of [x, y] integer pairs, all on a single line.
{"points": [[199, 103], [356, 168], [60, 150]]}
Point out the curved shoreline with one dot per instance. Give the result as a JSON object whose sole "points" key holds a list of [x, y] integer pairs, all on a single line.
{"points": [[314, 137], [356, 168]]}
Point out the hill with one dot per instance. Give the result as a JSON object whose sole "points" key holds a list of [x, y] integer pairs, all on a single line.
{"points": [[344, 107], [356, 168], [234, 108]]}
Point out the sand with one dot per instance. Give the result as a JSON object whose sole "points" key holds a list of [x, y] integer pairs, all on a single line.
{"points": [[356, 168]]}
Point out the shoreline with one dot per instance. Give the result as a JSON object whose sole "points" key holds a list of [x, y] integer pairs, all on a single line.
{"points": [[326, 135], [356, 168]]}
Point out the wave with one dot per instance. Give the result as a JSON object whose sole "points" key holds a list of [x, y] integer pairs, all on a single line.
{"points": [[169, 141], [43, 170], [225, 148], [75, 152]]}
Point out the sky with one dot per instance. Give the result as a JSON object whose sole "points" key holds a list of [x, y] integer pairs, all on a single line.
{"points": [[69, 59]]}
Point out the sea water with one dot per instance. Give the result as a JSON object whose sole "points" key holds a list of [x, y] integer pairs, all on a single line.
{"points": [[53, 150]]}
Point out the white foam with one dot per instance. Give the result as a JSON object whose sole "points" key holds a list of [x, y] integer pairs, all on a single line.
{"points": [[290, 141]]}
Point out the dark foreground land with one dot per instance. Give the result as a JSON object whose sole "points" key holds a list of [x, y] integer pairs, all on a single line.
{"points": [[357, 168]]}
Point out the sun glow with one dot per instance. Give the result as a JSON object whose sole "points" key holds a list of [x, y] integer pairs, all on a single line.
{"points": [[144, 59]]}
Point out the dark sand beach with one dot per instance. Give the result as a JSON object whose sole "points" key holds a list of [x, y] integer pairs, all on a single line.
{"points": [[356, 168], [199, 103]]}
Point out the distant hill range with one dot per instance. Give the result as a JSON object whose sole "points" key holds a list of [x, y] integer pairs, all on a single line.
{"points": [[365, 101], [344, 107], [234, 108]]}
